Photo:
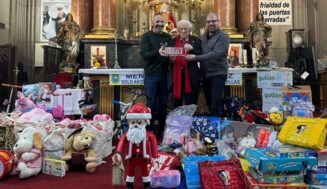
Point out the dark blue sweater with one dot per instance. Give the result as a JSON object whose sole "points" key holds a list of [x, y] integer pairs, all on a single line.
{"points": [[214, 57]]}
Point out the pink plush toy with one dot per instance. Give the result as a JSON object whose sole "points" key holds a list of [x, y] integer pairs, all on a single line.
{"points": [[24, 104], [103, 117]]}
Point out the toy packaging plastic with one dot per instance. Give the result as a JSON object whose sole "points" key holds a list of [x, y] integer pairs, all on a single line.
{"points": [[165, 178], [226, 174], [304, 132]]}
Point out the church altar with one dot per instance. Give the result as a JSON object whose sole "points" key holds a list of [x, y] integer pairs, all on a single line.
{"points": [[115, 84]]}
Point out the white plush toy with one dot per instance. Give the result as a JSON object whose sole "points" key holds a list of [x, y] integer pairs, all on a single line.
{"points": [[28, 152]]}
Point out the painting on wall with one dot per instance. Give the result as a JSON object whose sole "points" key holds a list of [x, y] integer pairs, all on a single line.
{"points": [[234, 54], [53, 15], [98, 56]]}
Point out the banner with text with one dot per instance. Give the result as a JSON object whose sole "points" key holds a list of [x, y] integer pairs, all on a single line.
{"points": [[276, 12], [126, 79], [234, 79]]}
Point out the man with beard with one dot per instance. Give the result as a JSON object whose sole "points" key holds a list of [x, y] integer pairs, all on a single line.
{"points": [[214, 64], [155, 71], [140, 146]]}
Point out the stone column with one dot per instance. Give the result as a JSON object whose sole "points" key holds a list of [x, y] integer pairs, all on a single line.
{"points": [[104, 17], [81, 10], [246, 13], [226, 13]]}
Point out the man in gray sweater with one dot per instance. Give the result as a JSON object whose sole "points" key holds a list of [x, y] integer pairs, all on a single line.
{"points": [[214, 64]]}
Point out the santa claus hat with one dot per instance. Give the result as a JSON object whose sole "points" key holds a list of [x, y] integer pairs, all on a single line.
{"points": [[139, 111]]}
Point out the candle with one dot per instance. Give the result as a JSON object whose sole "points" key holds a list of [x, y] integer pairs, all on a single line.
{"points": [[245, 57], [254, 55], [98, 52]]}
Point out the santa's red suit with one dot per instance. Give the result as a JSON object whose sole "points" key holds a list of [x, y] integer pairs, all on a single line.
{"points": [[138, 154], [141, 153]]}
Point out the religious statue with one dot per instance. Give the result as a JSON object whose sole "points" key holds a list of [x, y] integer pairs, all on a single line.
{"points": [[258, 33], [68, 37]]}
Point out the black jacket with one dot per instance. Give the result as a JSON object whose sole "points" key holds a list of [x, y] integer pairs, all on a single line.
{"points": [[192, 65]]}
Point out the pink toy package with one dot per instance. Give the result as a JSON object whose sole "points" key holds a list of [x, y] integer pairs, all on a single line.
{"points": [[165, 178]]}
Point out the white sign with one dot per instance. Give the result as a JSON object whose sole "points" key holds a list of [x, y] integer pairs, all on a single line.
{"points": [[126, 79], [234, 79], [276, 12], [274, 79], [271, 97]]}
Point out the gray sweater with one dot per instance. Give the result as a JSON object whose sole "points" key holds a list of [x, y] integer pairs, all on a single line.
{"points": [[214, 57]]}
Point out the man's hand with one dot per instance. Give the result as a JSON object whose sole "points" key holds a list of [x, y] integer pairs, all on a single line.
{"points": [[162, 51], [190, 57], [188, 47]]}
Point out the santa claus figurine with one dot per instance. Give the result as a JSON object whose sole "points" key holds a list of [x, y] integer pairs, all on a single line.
{"points": [[138, 145]]}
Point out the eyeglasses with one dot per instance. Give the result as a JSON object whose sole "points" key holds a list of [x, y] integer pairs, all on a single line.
{"points": [[211, 21], [183, 29]]}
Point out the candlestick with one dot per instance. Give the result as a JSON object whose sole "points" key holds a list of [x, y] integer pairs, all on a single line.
{"points": [[116, 66], [245, 57]]}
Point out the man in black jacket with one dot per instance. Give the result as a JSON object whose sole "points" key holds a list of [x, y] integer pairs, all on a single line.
{"points": [[155, 70], [185, 77], [214, 64]]}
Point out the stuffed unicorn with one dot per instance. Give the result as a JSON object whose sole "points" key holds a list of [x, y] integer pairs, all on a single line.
{"points": [[24, 104]]}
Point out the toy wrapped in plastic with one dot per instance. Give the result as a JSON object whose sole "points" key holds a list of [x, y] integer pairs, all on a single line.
{"points": [[178, 124]]}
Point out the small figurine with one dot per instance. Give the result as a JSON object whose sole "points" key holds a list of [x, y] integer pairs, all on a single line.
{"points": [[276, 118], [140, 146]]}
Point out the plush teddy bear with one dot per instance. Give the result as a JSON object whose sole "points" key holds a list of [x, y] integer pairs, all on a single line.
{"points": [[28, 152], [78, 150]]}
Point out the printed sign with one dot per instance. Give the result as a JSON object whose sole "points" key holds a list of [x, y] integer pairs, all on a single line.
{"points": [[274, 79], [175, 51], [271, 97], [276, 12], [234, 79], [126, 79]]}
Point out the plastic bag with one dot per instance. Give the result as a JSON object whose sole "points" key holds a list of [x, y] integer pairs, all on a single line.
{"points": [[103, 130], [177, 128], [184, 110], [53, 144]]}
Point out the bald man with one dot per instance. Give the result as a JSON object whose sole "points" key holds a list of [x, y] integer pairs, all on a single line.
{"points": [[214, 64]]}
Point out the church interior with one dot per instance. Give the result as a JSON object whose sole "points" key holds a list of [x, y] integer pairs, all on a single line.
{"points": [[77, 67]]}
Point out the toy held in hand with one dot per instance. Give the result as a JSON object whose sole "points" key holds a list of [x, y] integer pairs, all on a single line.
{"points": [[24, 104]]}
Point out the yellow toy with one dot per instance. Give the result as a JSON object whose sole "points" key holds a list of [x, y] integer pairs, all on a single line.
{"points": [[78, 151], [276, 118]]}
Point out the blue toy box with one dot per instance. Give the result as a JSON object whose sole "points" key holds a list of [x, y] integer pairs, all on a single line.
{"points": [[191, 169], [261, 159]]}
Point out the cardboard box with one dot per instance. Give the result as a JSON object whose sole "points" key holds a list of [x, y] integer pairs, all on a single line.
{"points": [[291, 151], [271, 97], [54, 167], [253, 184], [285, 177], [264, 161], [302, 92]]}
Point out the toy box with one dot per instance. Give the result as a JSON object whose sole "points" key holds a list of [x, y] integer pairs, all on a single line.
{"points": [[283, 177], [296, 92], [165, 178], [54, 167], [207, 126], [253, 184], [315, 177], [322, 157], [262, 160], [291, 151], [304, 132], [191, 169]]}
